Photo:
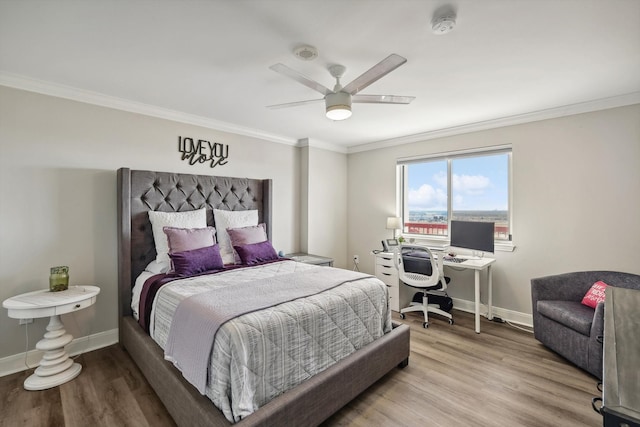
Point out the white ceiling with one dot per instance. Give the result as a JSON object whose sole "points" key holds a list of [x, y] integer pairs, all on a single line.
{"points": [[209, 60]]}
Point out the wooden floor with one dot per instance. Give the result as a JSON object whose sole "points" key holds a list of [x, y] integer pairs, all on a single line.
{"points": [[455, 377]]}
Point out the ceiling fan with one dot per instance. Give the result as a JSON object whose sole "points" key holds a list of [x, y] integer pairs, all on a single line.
{"points": [[338, 101]]}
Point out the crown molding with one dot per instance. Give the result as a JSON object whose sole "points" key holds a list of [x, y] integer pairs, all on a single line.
{"points": [[100, 99], [551, 113], [316, 143], [95, 98]]}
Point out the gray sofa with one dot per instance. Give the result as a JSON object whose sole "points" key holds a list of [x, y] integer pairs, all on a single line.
{"points": [[562, 323]]}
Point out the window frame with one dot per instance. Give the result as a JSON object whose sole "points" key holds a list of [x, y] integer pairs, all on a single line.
{"points": [[402, 191]]}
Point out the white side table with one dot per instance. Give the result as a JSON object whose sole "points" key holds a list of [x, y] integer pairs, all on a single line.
{"points": [[56, 367]]}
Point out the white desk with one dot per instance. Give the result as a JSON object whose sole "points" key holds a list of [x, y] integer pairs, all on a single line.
{"points": [[56, 367], [477, 265], [386, 271]]}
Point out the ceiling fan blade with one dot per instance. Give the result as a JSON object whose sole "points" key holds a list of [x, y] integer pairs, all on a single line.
{"points": [[382, 99], [293, 104], [301, 78], [375, 73]]}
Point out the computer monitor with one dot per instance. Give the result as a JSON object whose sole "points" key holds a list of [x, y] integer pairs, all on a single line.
{"points": [[474, 235]]}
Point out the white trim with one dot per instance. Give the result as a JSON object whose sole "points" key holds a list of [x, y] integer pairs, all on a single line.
{"points": [[488, 151], [62, 91], [550, 113], [15, 363], [95, 98], [442, 243], [315, 143], [12, 364], [504, 245], [448, 156], [511, 245], [507, 315]]}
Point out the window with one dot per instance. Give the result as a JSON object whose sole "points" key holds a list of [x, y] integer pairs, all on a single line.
{"points": [[468, 186]]}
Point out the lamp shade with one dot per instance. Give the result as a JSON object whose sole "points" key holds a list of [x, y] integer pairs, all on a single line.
{"points": [[394, 223], [338, 105], [338, 112]]}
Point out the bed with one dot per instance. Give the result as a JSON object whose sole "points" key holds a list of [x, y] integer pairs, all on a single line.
{"points": [[310, 402]]}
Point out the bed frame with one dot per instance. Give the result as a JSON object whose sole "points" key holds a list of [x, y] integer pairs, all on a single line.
{"points": [[308, 404]]}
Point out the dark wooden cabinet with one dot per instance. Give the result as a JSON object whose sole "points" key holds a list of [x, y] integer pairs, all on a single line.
{"points": [[621, 358]]}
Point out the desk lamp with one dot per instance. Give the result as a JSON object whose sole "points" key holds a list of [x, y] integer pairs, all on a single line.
{"points": [[394, 223]]}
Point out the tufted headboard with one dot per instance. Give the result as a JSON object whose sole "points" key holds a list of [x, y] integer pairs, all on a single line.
{"points": [[142, 191]]}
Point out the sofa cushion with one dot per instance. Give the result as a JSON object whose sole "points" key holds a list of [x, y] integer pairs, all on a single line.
{"points": [[572, 314]]}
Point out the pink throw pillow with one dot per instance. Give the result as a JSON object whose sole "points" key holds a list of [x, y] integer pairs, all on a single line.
{"points": [[186, 239], [595, 294], [246, 236]]}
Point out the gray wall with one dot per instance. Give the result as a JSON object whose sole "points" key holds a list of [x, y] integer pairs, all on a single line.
{"points": [[576, 182], [58, 162], [323, 203], [64, 154], [327, 205]]}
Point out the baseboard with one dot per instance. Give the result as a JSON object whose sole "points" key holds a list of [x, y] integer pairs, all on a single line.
{"points": [[508, 315], [16, 363]]}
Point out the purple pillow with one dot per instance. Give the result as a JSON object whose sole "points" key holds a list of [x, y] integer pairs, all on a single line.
{"points": [[188, 263], [245, 236], [256, 253], [186, 239]]}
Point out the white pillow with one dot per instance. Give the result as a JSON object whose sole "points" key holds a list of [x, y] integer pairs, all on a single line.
{"points": [[231, 219], [156, 267], [159, 220]]}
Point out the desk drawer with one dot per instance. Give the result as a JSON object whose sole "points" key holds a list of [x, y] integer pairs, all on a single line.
{"points": [[386, 271], [390, 277], [385, 261]]}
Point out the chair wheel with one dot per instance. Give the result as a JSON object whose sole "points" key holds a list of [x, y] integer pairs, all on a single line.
{"points": [[425, 325], [402, 316], [451, 321]]}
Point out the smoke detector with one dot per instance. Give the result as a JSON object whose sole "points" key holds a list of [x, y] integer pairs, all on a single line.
{"points": [[443, 24], [306, 53]]}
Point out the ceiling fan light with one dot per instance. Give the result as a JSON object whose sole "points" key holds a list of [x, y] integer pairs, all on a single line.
{"points": [[338, 112], [338, 106]]}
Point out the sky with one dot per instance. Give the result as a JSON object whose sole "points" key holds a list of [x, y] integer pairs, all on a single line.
{"points": [[479, 183]]}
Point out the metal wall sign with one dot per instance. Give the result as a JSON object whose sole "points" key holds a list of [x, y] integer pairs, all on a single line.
{"points": [[202, 151]]}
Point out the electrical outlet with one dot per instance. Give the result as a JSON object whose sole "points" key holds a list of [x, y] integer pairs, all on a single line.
{"points": [[356, 259], [25, 321]]}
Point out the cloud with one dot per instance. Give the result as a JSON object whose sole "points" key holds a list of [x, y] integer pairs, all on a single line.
{"points": [[467, 184], [441, 179], [427, 197], [435, 197], [470, 184]]}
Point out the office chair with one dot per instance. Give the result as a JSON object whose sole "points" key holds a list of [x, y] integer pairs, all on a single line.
{"points": [[407, 260]]}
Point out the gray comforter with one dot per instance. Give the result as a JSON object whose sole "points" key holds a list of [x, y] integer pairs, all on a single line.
{"points": [[261, 354], [198, 318]]}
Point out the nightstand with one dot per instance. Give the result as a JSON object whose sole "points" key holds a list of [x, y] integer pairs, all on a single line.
{"points": [[311, 259], [56, 367]]}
